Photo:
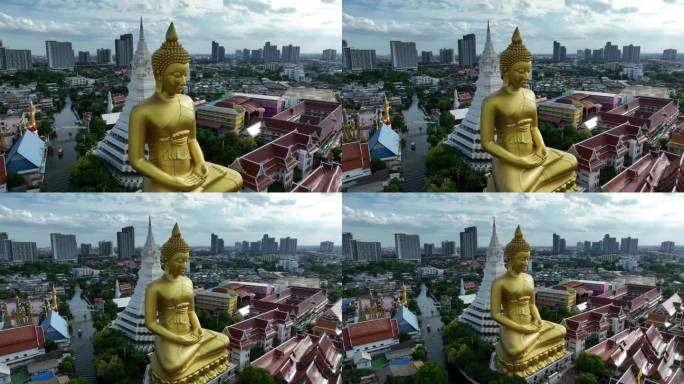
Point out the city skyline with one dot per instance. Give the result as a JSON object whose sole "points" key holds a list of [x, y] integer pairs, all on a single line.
{"points": [[576, 24], [439, 217], [235, 25], [232, 217]]}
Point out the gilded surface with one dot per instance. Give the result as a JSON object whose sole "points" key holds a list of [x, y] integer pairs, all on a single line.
{"points": [[521, 162], [527, 342], [166, 123], [184, 352]]}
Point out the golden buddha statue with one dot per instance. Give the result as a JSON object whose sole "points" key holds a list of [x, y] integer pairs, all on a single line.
{"points": [[166, 123], [521, 162], [527, 342], [183, 352]]}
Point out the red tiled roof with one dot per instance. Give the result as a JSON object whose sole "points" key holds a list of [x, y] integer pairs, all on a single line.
{"points": [[655, 172], [208, 124], [355, 155], [595, 151], [368, 332], [3, 170], [326, 178], [20, 339]]}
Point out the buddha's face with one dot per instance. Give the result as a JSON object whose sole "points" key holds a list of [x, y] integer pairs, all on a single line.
{"points": [[174, 78], [178, 263], [519, 74], [519, 261]]}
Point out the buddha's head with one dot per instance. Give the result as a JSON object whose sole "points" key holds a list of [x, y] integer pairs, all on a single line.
{"points": [[516, 62], [175, 253], [170, 65], [518, 252]]}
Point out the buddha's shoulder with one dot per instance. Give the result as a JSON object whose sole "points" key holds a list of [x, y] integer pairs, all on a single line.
{"points": [[145, 106], [495, 96], [186, 100], [528, 93]]}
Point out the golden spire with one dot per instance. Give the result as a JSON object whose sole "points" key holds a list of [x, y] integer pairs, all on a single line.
{"points": [[32, 116], [359, 131], [386, 115], [517, 244], [516, 52], [404, 295], [21, 315], [30, 313], [6, 317], [362, 315], [54, 305]]}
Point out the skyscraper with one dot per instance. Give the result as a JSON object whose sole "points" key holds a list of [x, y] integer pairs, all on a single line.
{"points": [[631, 53], [670, 54], [214, 52], [290, 54], [587, 54], [367, 251], [83, 57], [448, 248], [104, 248], [611, 53], [563, 53], [59, 54], [125, 243], [346, 245], [361, 59], [556, 244], [556, 51], [15, 59], [469, 243], [104, 56], [123, 47], [270, 53], [288, 246], [404, 55], [214, 247], [326, 246], [85, 249], [629, 246], [446, 56], [466, 51], [667, 246], [329, 55], [63, 247], [426, 57], [114, 147], [269, 245], [407, 247], [466, 137], [428, 249]]}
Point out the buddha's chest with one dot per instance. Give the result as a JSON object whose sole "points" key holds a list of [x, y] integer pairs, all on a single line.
{"points": [[517, 108], [517, 289], [169, 119], [175, 293]]}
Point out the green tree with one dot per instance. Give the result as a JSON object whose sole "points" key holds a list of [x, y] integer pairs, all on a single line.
{"points": [[420, 353], [394, 185], [587, 362], [50, 345], [67, 367], [403, 336], [431, 373], [44, 127], [446, 171], [252, 375], [14, 180], [377, 164], [586, 378], [91, 174]]}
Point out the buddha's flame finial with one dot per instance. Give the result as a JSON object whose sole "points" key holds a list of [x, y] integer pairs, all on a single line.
{"points": [[516, 39], [518, 233], [177, 233], [171, 35]]}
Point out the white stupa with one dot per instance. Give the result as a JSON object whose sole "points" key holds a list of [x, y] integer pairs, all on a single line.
{"points": [[478, 315], [114, 146], [466, 136], [131, 321]]}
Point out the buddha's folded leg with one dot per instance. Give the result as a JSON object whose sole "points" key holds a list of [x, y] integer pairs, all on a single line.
{"points": [[222, 179]]}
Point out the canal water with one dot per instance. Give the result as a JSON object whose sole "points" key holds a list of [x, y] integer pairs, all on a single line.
{"points": [[430, 315], [82, 346], [57, 169], [413, 161]]}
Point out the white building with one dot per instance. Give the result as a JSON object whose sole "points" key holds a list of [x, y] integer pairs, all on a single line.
{"points": [[290, 265], [294, 72], [78, 81], [423, 81], [131, 321], [633, 73], [114, 147], [429, 272], [466, 136], [478, 315]]}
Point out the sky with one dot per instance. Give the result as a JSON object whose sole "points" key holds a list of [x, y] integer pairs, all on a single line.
{"points": [[652, 218], [655, 25], [314, 25], [309, 217]]}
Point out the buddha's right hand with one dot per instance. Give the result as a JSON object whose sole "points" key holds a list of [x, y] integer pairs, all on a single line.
{"points": [[188, 182], [531, 161], [530, 328], [188, 339]]}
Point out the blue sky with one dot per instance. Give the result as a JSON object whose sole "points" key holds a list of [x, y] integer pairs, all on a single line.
{"points": [[652, 218], [433, 24], [90, 24], [310, 217]]}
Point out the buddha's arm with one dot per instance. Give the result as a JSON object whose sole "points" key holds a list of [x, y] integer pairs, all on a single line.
{"points": [[194, 321], [151, 316], [136, 153], [537, 139], [487, 127], [495, 309], [199, 165], [536, 317]]}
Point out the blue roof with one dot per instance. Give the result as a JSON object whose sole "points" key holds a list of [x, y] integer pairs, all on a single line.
{"points": [[400, 361], [43, 376], [27, 154], [385, 138], [407, 320], [55, 323]]}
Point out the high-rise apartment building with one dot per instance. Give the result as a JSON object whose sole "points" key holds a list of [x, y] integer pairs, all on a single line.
{"points": [[404, 55], [327, 246], [329, 55], [86, 248], [556, 51], [104, 56], [269, 245], [214, 52], [288, 246], [407, 247], [426, 57], [446, 56], [428, 249], [629, 246], [59, 54], [271, 53], [667, 246], [125, 243], [346, 246], [448, 248], [290, 54], [83, 57], [366, 251], [670, 54], [123, 47], [631, 53], [466, 51], [63, 247], [468, 243], [15, 59], [104, 248]]}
